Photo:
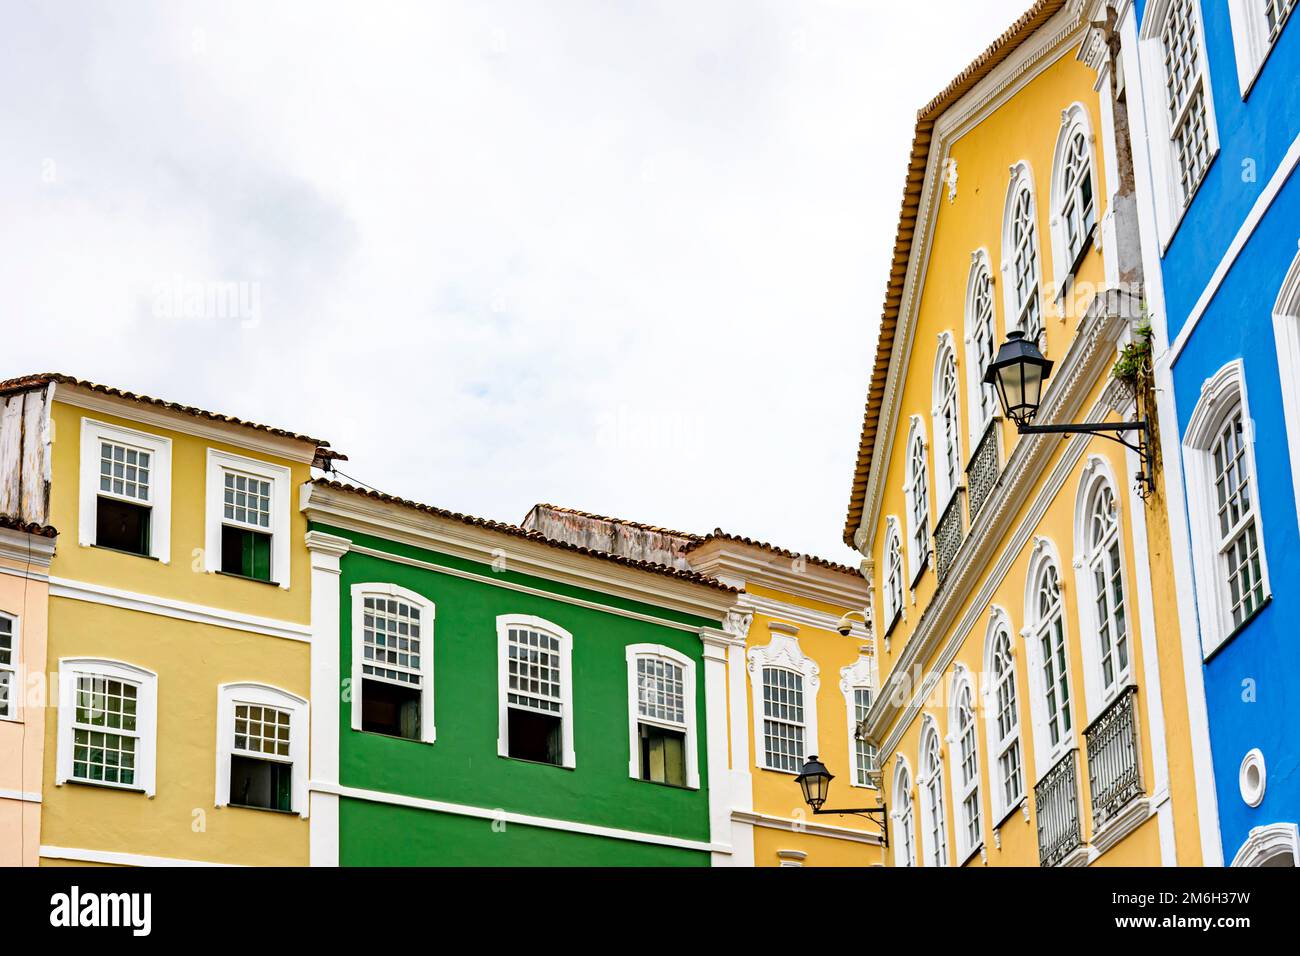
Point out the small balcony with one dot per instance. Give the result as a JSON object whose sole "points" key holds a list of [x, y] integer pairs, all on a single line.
{"points": [[983, 471], [948, 534], [1056, 798], [1114, 758]]}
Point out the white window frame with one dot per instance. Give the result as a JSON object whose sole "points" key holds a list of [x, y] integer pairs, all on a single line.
{"points": [[1022, 179], [903, 815], [895, 587], [1221, 395], [963, 790], [160, 483], [948, 438], [783, 653], [280, 477], [13, 668], [1074, 121], [1171, 204], [934, 815], [1044, 557], [1286, 331], [1250, 40], [146, 682], [979, 395], [998, 743], [263, 695], [428, 611], [1097, 472], [637, 652], [568, 758], [917, 557], [856, 677]]}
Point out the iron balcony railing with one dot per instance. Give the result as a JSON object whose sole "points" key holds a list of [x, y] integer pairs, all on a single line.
{"points": [[1056, 798], [948, 534], [1114, 764], [983, 470]]}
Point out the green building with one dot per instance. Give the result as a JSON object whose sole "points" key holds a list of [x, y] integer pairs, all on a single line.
{"points": [[484, 696]]}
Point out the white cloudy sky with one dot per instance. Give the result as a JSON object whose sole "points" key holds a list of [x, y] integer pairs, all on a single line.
{"points": [[626, 257]]}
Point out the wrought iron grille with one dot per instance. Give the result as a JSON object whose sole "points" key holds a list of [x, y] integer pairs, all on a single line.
{"points": [[982, 472], [1114, 768], [1056, 798], [948, 534]]}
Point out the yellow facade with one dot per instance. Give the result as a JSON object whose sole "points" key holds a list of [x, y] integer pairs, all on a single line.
{"points": [[787, 620], [1001, 124], [195, 629]]}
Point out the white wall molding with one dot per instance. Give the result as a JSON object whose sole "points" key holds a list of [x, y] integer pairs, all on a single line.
{"points": [[114, 858]]}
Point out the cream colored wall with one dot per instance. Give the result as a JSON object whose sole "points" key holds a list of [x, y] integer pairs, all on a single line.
{"points": [[22, 740]]}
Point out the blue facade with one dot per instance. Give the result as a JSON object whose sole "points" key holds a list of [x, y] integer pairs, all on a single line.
{"points": [[1252, 677]]}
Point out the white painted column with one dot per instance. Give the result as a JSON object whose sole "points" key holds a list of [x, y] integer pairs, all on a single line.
{"points": [[741, 780], [326, 693], [715, 708]]}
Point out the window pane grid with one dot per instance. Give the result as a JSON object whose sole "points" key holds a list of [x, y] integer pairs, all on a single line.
{"points": [[391, 641], [1276, 13], [969, 769], [783, 729], [864, 755], [1008, 721], [951, 445], [894, 582], [1025, 265], [1079, 210], [247, 500], [105, 738], [984, 343], [533, 672], [661, 693], [920, 502], [1185, 95], [124, 471], [262, 730]]}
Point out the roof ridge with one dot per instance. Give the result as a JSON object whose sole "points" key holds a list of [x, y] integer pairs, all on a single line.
{"points": [[694, 577], [36, 380]]}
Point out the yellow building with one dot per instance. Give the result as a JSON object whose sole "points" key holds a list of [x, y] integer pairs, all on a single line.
{"points": [[795, 687], [1031, 708], [179, 629]]}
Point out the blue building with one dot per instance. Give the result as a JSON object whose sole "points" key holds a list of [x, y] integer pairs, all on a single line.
{"points": [[1213, 104]]}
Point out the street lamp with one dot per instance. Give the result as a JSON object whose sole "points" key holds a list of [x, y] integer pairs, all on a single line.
{"points": [[815, 781], [1018, 372]]}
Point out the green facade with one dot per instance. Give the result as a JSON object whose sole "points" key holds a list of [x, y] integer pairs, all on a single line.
{"points": [[463, 767]]}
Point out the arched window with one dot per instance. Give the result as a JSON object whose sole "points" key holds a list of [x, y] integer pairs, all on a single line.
{"points": [[661, 716], [1074, 192], [966, 782], [392, 662], [1002, 708], [856, 683], [904, 822], [947, 426], [917, 492], [261, 748], [1020, 258], [935, 833], [1047, 631], [981, 345], [535, 690], [893, 575], [1104, 574], [784, 683], [1223, 502]]}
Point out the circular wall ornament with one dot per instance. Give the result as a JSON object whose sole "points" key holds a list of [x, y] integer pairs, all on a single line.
{"points": [[1252, 778]]}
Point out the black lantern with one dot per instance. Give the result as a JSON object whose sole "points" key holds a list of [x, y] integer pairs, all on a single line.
{"points": [[815, 780], [1018, 373]]}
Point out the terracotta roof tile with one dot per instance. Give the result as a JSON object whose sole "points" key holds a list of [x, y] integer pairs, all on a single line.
{"points": [[980, 67], [28, 382], [13, 523], [719, 535], [693, 577]]}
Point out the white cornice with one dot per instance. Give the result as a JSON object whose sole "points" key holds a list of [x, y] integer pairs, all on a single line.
{"points": [[1032, 57], [239, 436], [798, 614], [1089, 356], [178, 610], [33, 551], [802, 825], [419, 529], [736, 561]]}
